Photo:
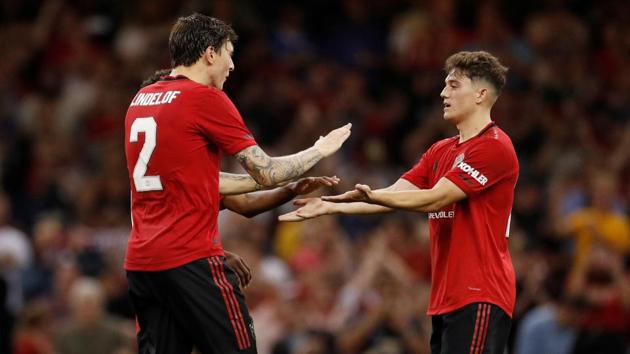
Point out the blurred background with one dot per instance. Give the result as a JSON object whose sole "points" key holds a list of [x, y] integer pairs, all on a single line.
{"points": [[69, 70]]}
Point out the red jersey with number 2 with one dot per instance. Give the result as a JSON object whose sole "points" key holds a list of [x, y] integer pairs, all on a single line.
{"points": [[470, 261], [175, 132]]}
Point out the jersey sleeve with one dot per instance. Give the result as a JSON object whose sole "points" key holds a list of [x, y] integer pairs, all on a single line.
{"points": [[222, 124], [483, 166], [418, 175]]}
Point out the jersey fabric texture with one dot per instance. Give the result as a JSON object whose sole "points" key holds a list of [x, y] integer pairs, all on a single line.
{"points": [[470, 261], [175, 185]]}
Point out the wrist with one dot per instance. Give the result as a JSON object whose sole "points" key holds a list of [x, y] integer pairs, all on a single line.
{"points": [[290, 188], [331, 208], [317, 151]]}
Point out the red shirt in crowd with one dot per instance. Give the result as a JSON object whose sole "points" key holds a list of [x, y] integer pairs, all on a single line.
{"points": [[175, 132], [470, 261]]}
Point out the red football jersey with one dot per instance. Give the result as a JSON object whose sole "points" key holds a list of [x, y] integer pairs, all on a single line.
{"points": [[175, 132], [470, 261]]}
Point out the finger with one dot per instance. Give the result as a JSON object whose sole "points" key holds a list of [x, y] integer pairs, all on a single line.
{"points": [[326, 182], [299, 202], [240, 273], [247, 272], [363, 188], [290, 217], [335, 198], [303, 215]]}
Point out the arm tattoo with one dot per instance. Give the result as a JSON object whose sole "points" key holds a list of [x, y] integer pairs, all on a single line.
{"points": [[269, 171], [230, 183]]}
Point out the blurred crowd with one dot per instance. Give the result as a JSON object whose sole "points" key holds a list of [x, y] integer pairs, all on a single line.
{"points": [[336, 284]]}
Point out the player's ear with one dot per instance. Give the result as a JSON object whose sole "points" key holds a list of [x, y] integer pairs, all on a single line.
{"points": [[482, 94], [210, 54]]}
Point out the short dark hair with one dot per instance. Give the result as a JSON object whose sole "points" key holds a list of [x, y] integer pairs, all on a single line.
{"points": [[155, 77], [478, 65], [191, 35]]}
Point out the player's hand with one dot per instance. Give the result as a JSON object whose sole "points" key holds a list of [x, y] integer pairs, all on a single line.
{"points": [[309, 208], [329, 144], [362, 193], [242, 270], [310, 184]]}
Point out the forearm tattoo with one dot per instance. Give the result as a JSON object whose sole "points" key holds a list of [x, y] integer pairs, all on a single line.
{"points": [[270, 171], [231, 181]]}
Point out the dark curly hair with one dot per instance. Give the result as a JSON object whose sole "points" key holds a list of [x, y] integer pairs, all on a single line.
{"points": [[191, 35], [478, 65], [155, 77]]}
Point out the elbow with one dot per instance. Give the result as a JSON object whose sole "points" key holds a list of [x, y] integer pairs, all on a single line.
{"points": [[433, 207], [437, 204]]}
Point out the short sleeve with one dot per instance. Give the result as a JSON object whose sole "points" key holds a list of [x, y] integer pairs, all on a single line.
{"points": [[418, 175], [222, 124], [484, 165]]}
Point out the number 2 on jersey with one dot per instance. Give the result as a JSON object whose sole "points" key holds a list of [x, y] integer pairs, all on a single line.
{"points": [[148, 126]]}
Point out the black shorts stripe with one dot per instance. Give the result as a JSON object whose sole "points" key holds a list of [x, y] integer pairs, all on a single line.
{"points": [[197, 305], [238, 314], [231, 304], [476, 331], [485, 329], [228, 304], [481, 329], [476, 328]]}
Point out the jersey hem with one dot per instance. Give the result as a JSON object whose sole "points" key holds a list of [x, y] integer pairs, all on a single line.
{"points": [[445, 310], [165, 265]]}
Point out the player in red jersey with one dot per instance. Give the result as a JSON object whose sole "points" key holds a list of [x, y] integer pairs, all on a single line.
{"points": [[466, 184], [183, 291]]}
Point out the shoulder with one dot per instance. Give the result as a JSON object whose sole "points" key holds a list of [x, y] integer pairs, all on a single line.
{"points": [[495, 140], [440, 145], [208, 92]]}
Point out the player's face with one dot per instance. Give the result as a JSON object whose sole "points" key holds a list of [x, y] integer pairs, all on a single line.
{"points": [[222, 65], [458, 97]]}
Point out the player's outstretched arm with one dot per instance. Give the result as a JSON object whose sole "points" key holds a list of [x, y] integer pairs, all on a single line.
{"points": [[313, 207], [442, 194], [252, 204], [270, 171], [231, 183]]}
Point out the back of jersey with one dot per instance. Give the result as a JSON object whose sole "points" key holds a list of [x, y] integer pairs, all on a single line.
{"points": [[175, 131]]}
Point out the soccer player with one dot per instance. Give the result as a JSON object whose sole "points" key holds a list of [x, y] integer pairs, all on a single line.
{"points": [[466, 184], [176, 129]]}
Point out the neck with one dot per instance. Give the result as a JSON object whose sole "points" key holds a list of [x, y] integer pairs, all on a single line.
{"points": [[473, 124], [196, 72]]}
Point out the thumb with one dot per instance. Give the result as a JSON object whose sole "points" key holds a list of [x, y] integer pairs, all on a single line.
{"points": [[299, 202], [362, 187]]}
